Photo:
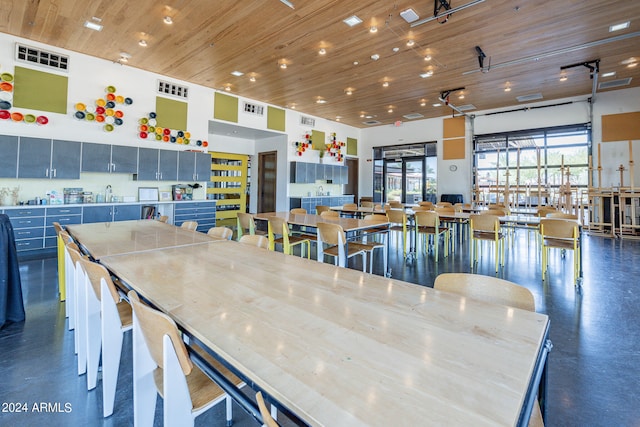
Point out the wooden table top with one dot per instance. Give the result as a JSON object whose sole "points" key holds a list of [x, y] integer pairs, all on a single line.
{"points": [[340, 347], [308, 220], [101, 239]]}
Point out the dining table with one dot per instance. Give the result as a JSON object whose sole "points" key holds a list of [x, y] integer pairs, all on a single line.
{"points": [[334, 346]]}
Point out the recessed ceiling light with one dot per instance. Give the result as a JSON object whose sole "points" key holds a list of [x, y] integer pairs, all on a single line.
{"points": [[507, 89], [237, 73], [227, 88], [282, 64], [628, 61], [92, 26], [252, 78], [143, 43], [437, 105], [461, 96], [322, 51], [618, 27], [563, 78], [321, 101], [390, 110], [423, 103], [355, 62], [427, 74], [348, 91], [375, 56], [352, 20], [369, 117], [385, 84], [396, 49], [427, 58], [410, 43], [632, 65], [373, 29], [609, 74], [362, 116], [168, 20], [124, 57]]}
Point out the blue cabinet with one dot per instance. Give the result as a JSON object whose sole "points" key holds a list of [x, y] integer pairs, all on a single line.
{"points": [[46, 158], [157, 165], [109, 158], [28, 227], [203, 212], [97, 214], [63, 216], [127, 212], [9, 157]]}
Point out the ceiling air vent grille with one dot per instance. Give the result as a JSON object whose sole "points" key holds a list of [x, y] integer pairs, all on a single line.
{"points": [[615, 83], [413, 116], [467, 107], [307, 121], [173, 89], [372, 122], [41, 57], [532, 97], [256, 109]]}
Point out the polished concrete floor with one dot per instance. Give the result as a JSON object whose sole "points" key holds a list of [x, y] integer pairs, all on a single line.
{"points": [[594, 366]]}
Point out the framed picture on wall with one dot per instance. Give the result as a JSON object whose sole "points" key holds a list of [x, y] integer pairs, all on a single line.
{"points": [[165, 196]]}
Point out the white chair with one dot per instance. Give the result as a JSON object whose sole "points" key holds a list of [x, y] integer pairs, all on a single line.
{"points": [[79, 307], [69, 276], [108, 318], [161, 364]]}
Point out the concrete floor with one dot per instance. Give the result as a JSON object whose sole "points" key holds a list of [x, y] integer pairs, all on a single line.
{"points": [[594, 366]]}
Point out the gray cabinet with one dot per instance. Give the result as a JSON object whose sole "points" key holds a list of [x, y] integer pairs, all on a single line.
{"points": [[168, 165], [109, 158], [126, 212], [97, 214], [309, 173], [45, 158], [194, 166], [147, 165], [9, 157], [204, 213], [28, 227]]}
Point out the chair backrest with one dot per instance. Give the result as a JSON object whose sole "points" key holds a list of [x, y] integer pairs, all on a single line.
{"points": [[543, 211], [190, 225], [559, 228], [376, 218], [154, 326], [496, 206], [377, 207], [484, 222], [321, 208], [328, 233], [163, 218], [562, 215], [96, 272], [330, 214], [395, 204], [299, 211], [366, 204], [74, 253], [267, 419], [427, 219], [397, 216], [443, 204], [221, 232], [426, 204], [57, 227], [494, 211], [255, 240], [445, 209], [420, 208], [279, 226], [66, 237], [353, 206], [486, 288]]}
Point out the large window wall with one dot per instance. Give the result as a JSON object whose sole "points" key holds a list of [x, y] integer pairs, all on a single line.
{"points": [[531, 166]]}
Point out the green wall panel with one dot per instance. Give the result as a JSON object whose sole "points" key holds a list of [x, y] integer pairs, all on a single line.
{"points": [[225, 107], [318, 141], [171, 113], [37, 90], [275, 118], [352, 147]]}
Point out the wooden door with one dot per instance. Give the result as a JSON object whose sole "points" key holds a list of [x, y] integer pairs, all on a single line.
{"points": [[267, 173], [351, 187]]}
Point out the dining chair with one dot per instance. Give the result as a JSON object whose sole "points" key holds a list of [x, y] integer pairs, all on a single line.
{"points": [[353, 206], [267, 419], [60, 253], [443, 204], [108, 317], [246, 225], [366, 204], [190, 225], [399, 225], [334, 236], [486, 228], [426, 204], [79, 308], [161, 365], [321, 208], [163, 218], [561, 215], [255, 240], [330, 214], [69, 277], [395, 204], [372, 245], [299, 211], [561, 234], [428, 224], [496, 291], [279, 227], [221, 232]]}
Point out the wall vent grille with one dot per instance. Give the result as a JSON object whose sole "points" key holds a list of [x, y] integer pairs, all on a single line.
{"points": [[614, 83], [532, 97], [256, 109], [173, 89], [43, 58], [307, 121]]}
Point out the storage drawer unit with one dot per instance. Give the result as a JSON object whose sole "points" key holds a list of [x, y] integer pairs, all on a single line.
{"points": [[63, 216], [28, 227], [202, 212]]}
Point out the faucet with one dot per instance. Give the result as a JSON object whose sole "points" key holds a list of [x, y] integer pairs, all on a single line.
{"points": [[107, 194], [319, 191]]}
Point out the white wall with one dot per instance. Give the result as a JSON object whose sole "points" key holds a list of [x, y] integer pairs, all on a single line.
{"points": [[460, 181]]}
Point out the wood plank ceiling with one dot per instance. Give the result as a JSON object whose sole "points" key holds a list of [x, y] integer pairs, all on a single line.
{"points": [[526, 43]]}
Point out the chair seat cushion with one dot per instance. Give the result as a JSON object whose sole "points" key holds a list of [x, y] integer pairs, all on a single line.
{"points": [[353, 249], [294, 240]]}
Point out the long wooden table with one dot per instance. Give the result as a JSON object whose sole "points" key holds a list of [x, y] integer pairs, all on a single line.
{"points": [[336, 346], [113, 238]]}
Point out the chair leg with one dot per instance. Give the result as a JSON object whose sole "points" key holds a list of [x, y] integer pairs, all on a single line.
{"points": [[144, 389], [229, 408]]}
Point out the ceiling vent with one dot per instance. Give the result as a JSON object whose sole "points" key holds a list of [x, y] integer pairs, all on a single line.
{"points": [[372, 122], [467, 107], [255, 109], [307, 121], [32, 55], [532, 97], [173, 89], [615, 83], [413, 116]]}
